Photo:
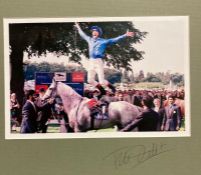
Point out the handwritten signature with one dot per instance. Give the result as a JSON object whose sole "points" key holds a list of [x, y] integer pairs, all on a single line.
{"points": [[132, 156]]}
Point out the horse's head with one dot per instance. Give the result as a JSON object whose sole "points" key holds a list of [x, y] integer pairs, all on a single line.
{"points": [[51, 91]]}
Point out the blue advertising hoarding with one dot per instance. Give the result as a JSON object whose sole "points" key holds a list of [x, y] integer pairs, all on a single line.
{"points": [[44, 79]]}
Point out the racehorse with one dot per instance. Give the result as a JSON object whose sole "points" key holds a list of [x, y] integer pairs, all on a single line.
{"points": [[119, 113]]}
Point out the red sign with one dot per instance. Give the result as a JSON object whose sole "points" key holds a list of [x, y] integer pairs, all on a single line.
{"points": [[77, 77], [38, 87]]}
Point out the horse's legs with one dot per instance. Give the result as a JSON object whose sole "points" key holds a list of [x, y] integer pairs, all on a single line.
{"points": [[69, 128], [119, 126], [67, 124], [76, 127]]}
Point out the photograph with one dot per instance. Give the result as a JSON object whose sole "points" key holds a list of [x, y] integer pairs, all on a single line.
{"points": [[101, 77]]}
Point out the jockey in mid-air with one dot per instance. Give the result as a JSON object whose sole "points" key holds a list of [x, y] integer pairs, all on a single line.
{"points": [[97, 48]]}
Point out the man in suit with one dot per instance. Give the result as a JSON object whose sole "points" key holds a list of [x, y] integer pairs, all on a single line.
{"points": [[137, 97], [172, 116], [29, 114], [148, 120], [44, 108]]}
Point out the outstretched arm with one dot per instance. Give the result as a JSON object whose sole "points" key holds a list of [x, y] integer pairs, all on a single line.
{"points": [[115, 40], [80, 31], [133, 124]]}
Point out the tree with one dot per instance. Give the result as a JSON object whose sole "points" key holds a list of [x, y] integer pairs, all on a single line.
{"points": [[178, 79], [125, 77], [132, 77], [151, 78], [113, 76], [61, 39], [141, 75]]}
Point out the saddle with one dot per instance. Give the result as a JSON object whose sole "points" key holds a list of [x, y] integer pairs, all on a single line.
{"points": [[98, 109]]}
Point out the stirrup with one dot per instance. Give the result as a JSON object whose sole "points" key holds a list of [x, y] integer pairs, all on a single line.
{"points": [[101, 117]]}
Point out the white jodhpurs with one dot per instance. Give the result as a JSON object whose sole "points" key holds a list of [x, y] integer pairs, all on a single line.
{"points": [[96, 67]]}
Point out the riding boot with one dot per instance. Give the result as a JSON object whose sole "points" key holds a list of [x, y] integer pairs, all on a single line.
{"points": [[112, 87], [104, 113], [101, 89]]}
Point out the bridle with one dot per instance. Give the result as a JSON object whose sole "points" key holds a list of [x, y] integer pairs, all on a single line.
{"points": [[51, 90]]}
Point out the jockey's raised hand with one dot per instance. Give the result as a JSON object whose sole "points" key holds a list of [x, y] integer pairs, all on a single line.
{"points": [[77, 25], [130, 34]]}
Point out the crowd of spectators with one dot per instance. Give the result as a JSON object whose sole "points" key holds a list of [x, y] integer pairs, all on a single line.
{"points": [[169, 105], [38, 112]]}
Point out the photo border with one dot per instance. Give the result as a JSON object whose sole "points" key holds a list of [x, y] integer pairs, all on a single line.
{"points": [[9, 135]]}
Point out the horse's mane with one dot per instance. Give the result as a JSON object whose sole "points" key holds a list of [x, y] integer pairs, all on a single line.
{"points": [[67, 90]]}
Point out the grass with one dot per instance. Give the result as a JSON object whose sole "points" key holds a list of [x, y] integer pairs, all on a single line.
{"points": [[55, 128], [103, 130], [182, 128], [143, 85], [148, 85]]}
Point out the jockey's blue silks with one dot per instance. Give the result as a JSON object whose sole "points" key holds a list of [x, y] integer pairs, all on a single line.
{"points": [[97, 46]]}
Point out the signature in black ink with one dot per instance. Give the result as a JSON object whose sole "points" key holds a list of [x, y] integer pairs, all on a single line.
{"points": [[132, 156]]}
